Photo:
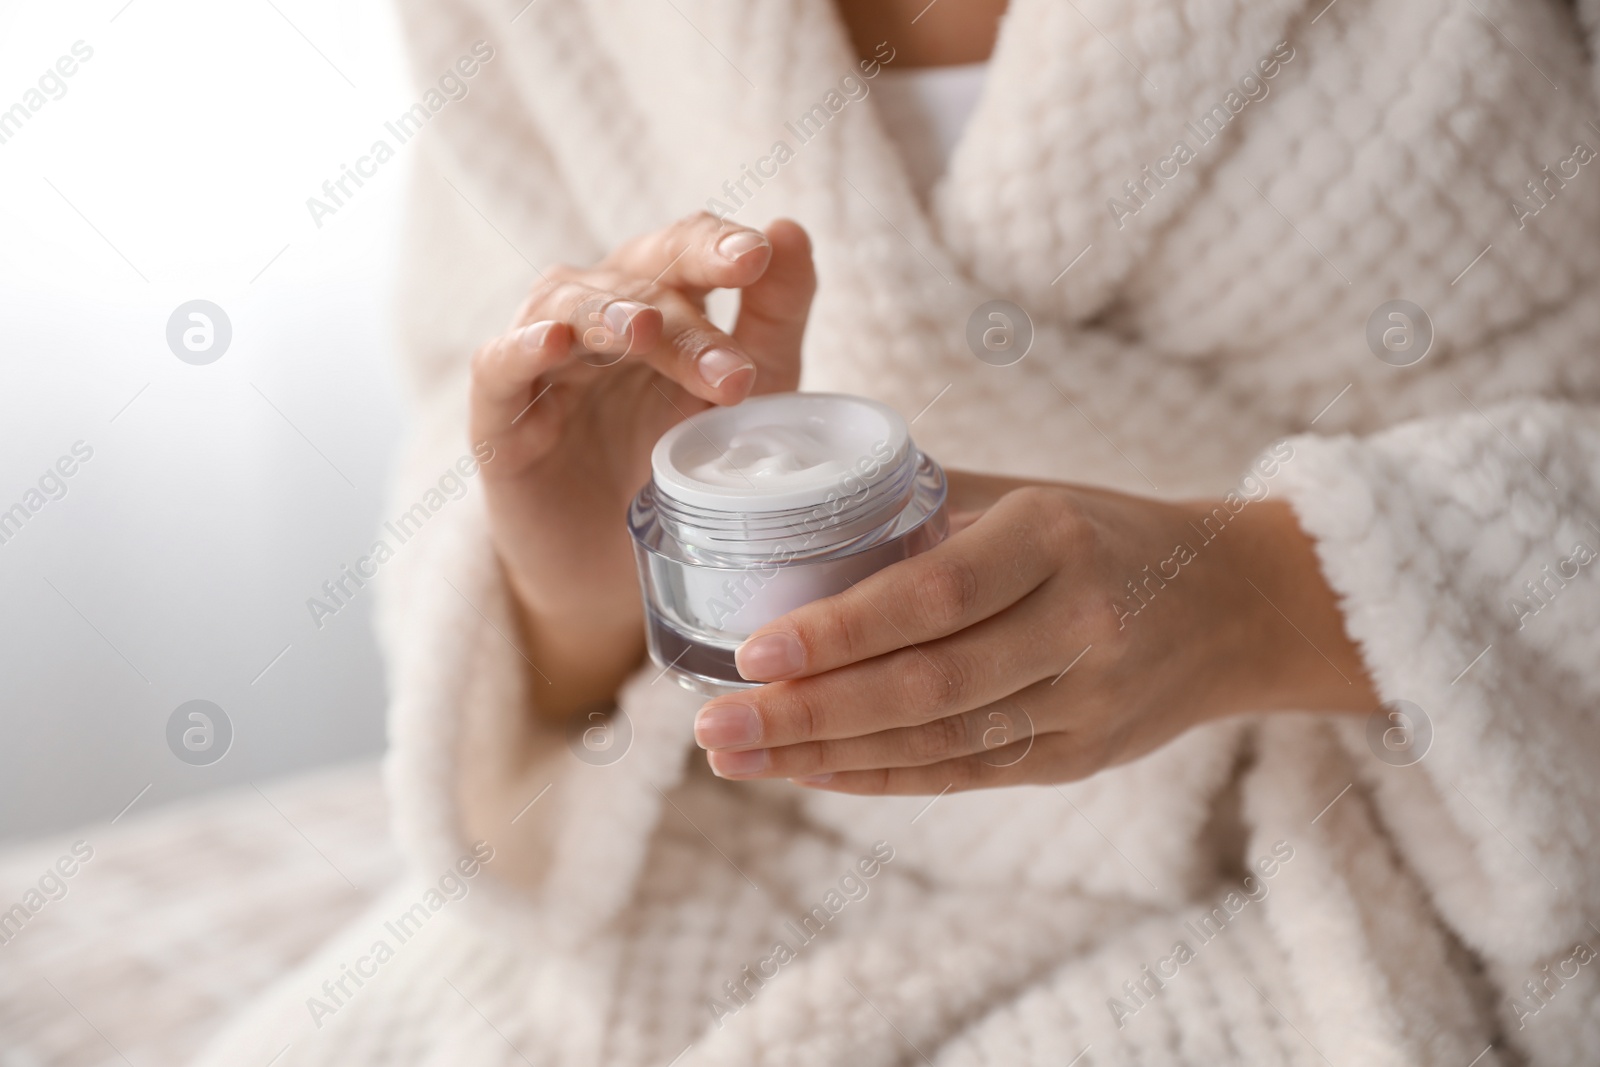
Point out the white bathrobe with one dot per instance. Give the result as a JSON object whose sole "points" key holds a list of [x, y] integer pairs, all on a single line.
{"points": [[1261, 890]]}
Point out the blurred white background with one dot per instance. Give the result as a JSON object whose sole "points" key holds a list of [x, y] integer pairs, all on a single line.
{"points": [[176, 166]]}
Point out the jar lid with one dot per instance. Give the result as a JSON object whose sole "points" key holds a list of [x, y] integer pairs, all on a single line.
{"points": [[780, 452]]}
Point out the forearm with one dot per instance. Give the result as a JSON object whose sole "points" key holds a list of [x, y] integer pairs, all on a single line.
{"points": [[576, 662]]}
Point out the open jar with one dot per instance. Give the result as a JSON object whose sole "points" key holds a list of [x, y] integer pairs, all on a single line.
{"points": [[756, 509]]}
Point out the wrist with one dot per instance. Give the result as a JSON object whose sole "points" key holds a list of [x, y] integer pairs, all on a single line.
{"points": [[1289, 644]]}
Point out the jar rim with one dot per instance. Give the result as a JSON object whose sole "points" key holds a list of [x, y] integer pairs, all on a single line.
{"points": [[737, 542], [704, 465], [772, 534]]}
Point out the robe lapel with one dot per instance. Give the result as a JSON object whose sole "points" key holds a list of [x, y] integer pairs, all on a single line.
{"points": [[774, 118], [1082, 96]]}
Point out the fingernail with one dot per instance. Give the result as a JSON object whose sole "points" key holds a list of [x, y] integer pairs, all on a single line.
{"points": [[740, 764], [739, 243], [534, 334], [812, 779], [727, 726], [770, 657], [717, 365], [619, 315]]}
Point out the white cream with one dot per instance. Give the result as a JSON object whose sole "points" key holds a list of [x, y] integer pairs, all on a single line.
{"points": [[771, 459], [773, 453]]}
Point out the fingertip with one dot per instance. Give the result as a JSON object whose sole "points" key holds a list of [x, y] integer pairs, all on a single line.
{"points": [[634, 325], [780, 299], [743, 246], [790, 234], [624, 316], [736, 386], [541, 334], [729, 375], [748, 763], [770, 657], [737, 259], [728, 726]]}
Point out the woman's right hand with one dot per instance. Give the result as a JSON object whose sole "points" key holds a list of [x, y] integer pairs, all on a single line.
{"points": [[595, 367]]}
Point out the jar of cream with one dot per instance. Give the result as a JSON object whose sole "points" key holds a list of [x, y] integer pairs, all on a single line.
{"points": [[756, 509]]}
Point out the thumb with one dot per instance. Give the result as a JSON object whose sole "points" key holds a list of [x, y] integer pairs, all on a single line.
{"points": [[773, 309]]}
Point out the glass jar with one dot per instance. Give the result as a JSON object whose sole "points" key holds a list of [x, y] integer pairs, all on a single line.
{"points": [[755, 509]]}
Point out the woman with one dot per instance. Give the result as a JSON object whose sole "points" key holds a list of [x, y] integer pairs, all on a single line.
{"points": [[1247, 714]]}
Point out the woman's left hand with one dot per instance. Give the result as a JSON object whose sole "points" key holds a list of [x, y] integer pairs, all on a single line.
{"points": [[1059, 630]]}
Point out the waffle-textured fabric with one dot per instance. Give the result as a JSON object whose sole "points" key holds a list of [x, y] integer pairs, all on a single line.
{"points": [[172, 920], [1436, 913]]}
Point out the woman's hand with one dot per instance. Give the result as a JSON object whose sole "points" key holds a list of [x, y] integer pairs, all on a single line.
{"points": [[595, 366], [1058, 630]]}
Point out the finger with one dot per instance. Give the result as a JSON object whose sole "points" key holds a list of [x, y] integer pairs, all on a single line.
{"points": [[970, 576], [1047, 762], [688, 349], [505, 369], [607, 325], [906, 687], [696, 253], [774, 307], [1005, 724]]}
